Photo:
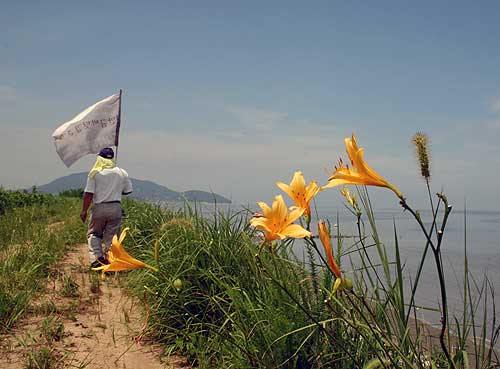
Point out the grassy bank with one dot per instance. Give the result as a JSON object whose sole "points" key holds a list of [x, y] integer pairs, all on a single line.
{"points": [[35, 230], [227, 313], [225, 303]]}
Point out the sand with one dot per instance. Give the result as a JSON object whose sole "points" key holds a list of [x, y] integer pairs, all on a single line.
{"points": [[81, 321]]}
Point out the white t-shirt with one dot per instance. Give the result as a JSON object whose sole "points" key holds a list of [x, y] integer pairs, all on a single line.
{"points": [[109, 185]]}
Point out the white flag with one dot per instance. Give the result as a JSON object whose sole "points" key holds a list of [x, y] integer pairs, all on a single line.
{"points": [[90, 131]]}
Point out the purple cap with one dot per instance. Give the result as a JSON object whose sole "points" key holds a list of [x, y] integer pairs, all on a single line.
{"points": [[107, 153]]}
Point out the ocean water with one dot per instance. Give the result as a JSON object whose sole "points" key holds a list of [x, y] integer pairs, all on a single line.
{"points": [[475, 232]]}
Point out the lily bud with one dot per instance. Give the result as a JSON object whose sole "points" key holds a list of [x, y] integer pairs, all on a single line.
{"points": [[177, 284], [307, 217], [348, 284]]}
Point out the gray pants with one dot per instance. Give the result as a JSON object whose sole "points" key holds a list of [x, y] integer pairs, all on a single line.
{"points": [[105, 222]]}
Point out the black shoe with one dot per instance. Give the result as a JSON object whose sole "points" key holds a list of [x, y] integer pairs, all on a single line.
{"points": [[103, 260], [99, 262]]}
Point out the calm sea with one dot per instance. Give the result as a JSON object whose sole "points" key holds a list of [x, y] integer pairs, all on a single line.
{"points": [[478, 231]]}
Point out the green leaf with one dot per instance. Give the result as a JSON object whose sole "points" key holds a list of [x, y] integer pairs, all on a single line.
{"points": [[375, 363]]}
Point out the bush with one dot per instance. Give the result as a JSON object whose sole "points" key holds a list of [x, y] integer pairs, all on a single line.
{"points": [[74, 192], [14, 199]]}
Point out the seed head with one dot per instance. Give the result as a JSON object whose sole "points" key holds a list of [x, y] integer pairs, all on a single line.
{"points": [[421, 143]]}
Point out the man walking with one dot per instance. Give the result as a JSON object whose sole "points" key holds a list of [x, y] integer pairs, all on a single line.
{"points": [[106, 184]]}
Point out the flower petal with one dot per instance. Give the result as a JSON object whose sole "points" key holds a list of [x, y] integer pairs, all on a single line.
{"points": [[295, 214], [351, 149], [279, 210], [312, 190], [286, 189], [123, 234], [296, 231], [261, 223], [338, 182], [265, 208], [298, 183]]}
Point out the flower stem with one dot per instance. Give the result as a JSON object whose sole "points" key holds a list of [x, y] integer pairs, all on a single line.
{"points": [[436, 250], [309, 315], [421, 265], [150, 267]]}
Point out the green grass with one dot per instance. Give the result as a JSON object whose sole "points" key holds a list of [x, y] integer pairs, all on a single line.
{"points": [[228, 313], [52, 329], [41, 358], [28, 247], [69, 287], [241, 307]]}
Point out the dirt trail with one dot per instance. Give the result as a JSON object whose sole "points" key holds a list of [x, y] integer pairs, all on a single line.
{"points": [[82, 322]]}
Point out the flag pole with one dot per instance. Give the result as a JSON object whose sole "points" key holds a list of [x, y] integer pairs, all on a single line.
{"points": [[118, 122]]}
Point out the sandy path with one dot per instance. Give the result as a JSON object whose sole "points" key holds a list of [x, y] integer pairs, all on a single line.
{"points": [[83, 322]]}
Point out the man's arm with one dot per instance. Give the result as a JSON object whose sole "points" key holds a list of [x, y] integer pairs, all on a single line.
{"points": [[88, 195], [127, 186], [87, 200]]}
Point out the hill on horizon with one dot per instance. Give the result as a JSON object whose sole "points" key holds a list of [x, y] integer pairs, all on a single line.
{"points": [[143, 190]]}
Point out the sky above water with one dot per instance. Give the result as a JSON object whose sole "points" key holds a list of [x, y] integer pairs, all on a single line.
{"points": [[231, 96]]}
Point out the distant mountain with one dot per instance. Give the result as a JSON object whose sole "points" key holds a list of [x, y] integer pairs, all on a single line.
{"points": [[143, 190]]}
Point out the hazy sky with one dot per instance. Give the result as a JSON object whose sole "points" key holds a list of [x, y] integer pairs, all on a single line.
{"points": [[231, 96]]}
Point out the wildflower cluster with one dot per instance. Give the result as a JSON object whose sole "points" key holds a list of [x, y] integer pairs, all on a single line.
{"points": [[277, 222]]}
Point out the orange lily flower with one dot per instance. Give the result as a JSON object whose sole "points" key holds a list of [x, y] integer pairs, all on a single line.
{"points": [[276, 222], [361, 173], [119, 259], [324, 236], [298, 191]]}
